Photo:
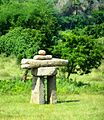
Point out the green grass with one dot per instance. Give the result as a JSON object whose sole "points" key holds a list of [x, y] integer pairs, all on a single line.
{"points": [[8, 68], [70, 107], [96, 75], [79, 99]]}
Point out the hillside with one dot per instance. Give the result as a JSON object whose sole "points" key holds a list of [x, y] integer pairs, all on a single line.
{"points": [[67, 7]]}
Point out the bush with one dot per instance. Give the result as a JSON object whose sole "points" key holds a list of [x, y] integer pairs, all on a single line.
{"points": [[81, 20], [82, 52], [15, 87], [95, 31], [21, 42], [97, 17], [73, 21]]}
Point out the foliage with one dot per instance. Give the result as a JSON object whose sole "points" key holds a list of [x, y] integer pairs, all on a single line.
{"points": [[21, 42], [91, 83], [31, 14], [97, 17], [95, 31], [70, 22], [29, 25], [82, 52], [4, 1], [81, 20], [78, 87], [15, 87]]}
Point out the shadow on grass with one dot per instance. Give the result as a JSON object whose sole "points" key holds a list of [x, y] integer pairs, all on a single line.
{"points": [[68, 101]]}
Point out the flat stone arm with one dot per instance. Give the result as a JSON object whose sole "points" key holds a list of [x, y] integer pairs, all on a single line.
{"points": [[31, 63]]}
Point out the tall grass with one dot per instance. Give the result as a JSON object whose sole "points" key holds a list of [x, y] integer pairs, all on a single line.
{"points": [[9, 68]]}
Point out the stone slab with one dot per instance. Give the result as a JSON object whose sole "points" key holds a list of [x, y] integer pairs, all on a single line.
{"points": [[42, 57], [44, 71], [31, 63], [51, 90], [38, 95]]}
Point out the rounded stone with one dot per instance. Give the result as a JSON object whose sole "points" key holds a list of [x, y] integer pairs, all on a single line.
{"points": [[42, 52]]}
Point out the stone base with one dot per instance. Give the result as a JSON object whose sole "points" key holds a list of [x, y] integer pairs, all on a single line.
{"points": [[51, 90], [38, 91], [37, 96]]}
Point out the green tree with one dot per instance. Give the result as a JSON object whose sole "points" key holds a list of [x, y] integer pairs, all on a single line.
{"points": [[94, 31], [33, 14], [24, 43], [82, 52]]}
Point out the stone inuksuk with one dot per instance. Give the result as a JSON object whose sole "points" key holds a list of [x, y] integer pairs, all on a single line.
{"points": [[43, 65]]}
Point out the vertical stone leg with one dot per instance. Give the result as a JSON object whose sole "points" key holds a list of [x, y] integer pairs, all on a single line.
{"points": [[51, 90], [37, 96]]}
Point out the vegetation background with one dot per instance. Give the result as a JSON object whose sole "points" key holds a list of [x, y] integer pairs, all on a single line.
{"points": [[69, 29]]}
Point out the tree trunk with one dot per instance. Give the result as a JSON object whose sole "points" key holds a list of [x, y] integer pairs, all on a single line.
{"points": [[24, 77]]}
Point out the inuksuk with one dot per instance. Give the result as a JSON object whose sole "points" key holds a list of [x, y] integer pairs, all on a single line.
{"points": [[43, 66]]}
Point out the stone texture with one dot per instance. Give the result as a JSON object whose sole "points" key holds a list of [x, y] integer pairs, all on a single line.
{"points": [[44, 57], [31, 63], [44, 71], [51, 90], [43, 65], [42, 52], [37, 96]]}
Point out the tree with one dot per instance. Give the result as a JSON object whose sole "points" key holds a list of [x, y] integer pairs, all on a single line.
{"points": [[82, 52], [33, 14], [23, 43]]}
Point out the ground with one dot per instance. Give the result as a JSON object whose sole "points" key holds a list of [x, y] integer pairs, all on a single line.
{"points": [[69, 107]]}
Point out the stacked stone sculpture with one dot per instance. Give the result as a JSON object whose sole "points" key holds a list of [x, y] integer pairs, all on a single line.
{"points": [[43, 66]]}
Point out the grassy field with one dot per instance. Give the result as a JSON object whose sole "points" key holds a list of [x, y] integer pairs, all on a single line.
{"points": [[69, 107], [80, 99]]}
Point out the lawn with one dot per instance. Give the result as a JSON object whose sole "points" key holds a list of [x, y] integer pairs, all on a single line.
{"points": [[69, 107]]}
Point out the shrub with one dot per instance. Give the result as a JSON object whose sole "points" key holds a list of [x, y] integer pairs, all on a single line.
{"points": [[82, 52], [15, 87], [73, 21], [97, 17], [81, 20], [95, 31], [21, 42]]}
